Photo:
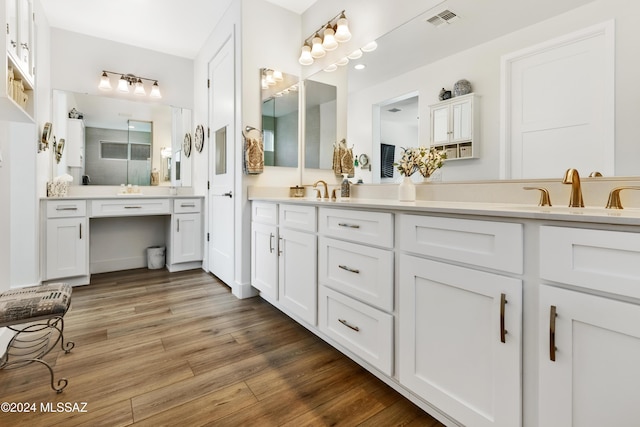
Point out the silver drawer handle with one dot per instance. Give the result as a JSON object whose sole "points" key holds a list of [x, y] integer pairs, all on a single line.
{"points": [[188, 205], [66, 209], [352, 270], [344, 224], [348, 325], [133, 207]]}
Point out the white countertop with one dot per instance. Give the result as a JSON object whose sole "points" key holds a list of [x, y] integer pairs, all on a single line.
{"points": [[629, 216]]}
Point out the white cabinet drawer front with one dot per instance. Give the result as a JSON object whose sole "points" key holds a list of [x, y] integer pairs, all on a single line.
{"points": [[130, 207], [66, 208], [375, 228], [604, 260], [265, 213], [362, 272], [496, 245], [187, 205], [362, 329], [298, 217]]}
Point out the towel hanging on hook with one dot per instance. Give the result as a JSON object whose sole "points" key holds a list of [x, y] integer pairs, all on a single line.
{"points": [[253, 153]]}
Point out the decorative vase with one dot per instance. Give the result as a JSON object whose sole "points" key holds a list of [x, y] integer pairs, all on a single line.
{"points": [[407, 190], [461, 87]]}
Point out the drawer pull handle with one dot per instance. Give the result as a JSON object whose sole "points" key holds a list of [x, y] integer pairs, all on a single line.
{"points": [[352, 270], [133, 207], [503, 331], [279, 250], [348, 325], [344, 224], [60, 208], [80, 231], [178, 225], [188, 205], [271, 236], [552, 333]]}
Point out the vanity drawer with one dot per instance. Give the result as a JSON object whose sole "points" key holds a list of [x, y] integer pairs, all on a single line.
{"points": [[298, 217], [364, 330], [607, 261], [66, 208], [187, 205], [374, 228], [363, 272], [264, 213], [130, 207], [496, 245]]}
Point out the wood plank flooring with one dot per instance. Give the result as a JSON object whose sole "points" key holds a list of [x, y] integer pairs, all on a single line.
{"points": [[160, 349]]}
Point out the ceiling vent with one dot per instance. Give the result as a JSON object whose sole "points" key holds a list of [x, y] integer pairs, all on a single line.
{"points": [[394, 110], [444, 17]]}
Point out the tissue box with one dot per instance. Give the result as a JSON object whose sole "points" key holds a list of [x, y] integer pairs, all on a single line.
{"points": [[57, 189]]}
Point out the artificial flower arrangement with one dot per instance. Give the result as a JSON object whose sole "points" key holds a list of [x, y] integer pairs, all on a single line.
{"points": [[420, 159]]}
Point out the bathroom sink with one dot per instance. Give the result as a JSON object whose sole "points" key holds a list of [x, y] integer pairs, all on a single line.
{"points": [[589, 210]]}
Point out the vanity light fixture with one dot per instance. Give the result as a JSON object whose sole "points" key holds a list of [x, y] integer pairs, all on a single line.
{"points": [[325, 39], [369, 47], [356, 54], [127, 80]]}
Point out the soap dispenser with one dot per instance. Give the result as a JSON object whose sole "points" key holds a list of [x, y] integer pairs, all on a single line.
{"points": [[345, 187]]}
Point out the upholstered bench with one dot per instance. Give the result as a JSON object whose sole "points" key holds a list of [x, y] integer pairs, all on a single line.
{"points": [[35, 315]]}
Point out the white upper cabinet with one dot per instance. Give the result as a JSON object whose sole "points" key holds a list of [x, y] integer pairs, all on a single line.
{"points": [[19, 68], [454, 126]]}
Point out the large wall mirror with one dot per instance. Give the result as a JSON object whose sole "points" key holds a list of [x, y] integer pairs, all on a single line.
{"points": [[280, 100], [421, 58], [110, 141]]}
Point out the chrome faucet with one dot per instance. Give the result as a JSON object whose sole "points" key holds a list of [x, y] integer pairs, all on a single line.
{"points": [[572, 177], [326, 189]]}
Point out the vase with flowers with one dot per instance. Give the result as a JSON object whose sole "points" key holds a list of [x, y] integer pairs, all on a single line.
{"points": [[417, 159], [409, 164], [431, 159]]}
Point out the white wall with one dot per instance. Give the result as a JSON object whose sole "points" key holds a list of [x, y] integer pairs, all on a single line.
{"points": [[481, 66]]}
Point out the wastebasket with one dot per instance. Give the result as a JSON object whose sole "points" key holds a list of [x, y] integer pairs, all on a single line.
{"points": [[155, 257]]}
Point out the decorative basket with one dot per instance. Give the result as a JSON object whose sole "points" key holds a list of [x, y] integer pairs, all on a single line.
{"points": [[57, 189]]}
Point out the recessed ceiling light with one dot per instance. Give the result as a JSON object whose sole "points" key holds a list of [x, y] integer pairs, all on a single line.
{"points": [[360, 66]]}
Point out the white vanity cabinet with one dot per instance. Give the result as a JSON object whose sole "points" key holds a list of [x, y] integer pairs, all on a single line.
{"points": [[284, 251], [355, 262], [589, 345], [66, 239], [297, 261], [454, 126], [186, 232], [460, 340], [264, 250]]}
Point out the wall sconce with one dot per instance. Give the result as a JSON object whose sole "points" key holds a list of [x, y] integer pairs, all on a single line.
{"points": [[127, 80], [325, 39]]}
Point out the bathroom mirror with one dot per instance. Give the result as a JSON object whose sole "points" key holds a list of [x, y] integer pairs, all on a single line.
{"points": [[320, 124], [467, 48], [280, 100], [120, 141]]}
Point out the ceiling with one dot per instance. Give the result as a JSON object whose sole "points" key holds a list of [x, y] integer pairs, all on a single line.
{"points": [[149, 24]]}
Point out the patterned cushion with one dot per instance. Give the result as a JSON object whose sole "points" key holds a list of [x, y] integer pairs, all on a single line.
{"points": [[22, 305]]}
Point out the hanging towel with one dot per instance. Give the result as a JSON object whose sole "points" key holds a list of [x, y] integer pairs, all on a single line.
{"points": [[253, 151], [343, 159]]}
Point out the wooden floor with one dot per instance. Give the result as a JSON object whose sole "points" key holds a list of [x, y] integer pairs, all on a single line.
{"points": [[160, 349]]}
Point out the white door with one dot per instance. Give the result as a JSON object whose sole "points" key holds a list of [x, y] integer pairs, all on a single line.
{"points": [[595, 343], [221, 170], [460, 341], [559, 105]]}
